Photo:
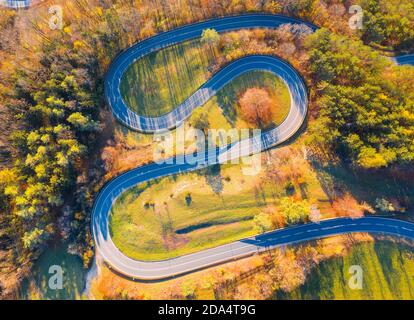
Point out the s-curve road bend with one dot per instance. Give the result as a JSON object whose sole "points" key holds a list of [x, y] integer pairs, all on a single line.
{"points": [[158, 270]]}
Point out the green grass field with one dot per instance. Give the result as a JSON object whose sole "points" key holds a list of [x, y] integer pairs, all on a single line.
{"points": [[187, 213], [156, 83], [388, 270]]}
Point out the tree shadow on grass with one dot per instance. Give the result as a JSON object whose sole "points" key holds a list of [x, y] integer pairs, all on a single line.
{"points": [[391, 257], [73, 274], [364, 185]]}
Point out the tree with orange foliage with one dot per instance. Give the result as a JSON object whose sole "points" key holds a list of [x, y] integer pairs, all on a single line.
{"points": [[276, 217], [349, 206], [255, 105]]}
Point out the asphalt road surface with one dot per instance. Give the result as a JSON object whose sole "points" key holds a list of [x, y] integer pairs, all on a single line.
{"points": [[157, 270]]}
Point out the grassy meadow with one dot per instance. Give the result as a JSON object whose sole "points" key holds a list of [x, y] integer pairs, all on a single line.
{"points": [[154, 84], [186, 213]]}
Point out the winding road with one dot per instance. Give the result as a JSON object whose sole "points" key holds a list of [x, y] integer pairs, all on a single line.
{"points": [[157, 270]]}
